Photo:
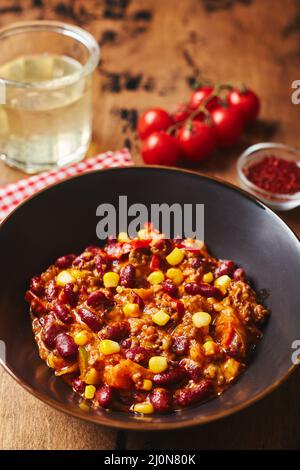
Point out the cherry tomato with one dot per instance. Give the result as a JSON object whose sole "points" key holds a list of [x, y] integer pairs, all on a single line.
{"points": [[196, 141], [181, 113], [160, 148], [198, 97], [228, 124], [247, 102], [153, 120]]}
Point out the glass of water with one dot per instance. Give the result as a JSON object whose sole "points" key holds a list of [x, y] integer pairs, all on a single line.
{"points": [[45, 94]]}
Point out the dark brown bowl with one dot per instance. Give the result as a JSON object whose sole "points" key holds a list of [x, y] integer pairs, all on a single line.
{"points": [[63, 219]]}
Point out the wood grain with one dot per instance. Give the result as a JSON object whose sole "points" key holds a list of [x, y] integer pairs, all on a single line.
{"points": [[150, 52]]}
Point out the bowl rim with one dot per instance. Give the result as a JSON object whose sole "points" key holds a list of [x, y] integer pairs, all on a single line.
{"points": [[144, 425]]}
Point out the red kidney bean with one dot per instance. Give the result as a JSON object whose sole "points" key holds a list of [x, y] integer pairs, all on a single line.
{"points": [[78, 385], [66, 346], [117, 330], [95, 299], [126, 343], [92, 249], [206, 290], [178, 242], [161, 400], [192, 288], [83, 258], [179, 307], [79, 262], [159, 244], [196, 262], [65, 262], [100, 263], [83, 290], [42, 321], [52, 291], [226, 267], [127, 276], [193, 370], [70, 296], [239, 274], [137, 300], [210, 291], [36, 286], [172, 376], [49, 334], [90, 319], [162, 246], [138, 354], [170, 288], [104, 395], [62, 312], [198, 392], [181, 345]]}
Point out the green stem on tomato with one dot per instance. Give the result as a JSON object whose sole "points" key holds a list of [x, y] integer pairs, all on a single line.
{"points": [[202, 108], [217, 90]]}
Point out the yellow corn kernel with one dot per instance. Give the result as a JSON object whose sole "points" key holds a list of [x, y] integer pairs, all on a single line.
{"points": [[158, 364], [147, 385], [161, 318], [63, 278], [84, 406], [222, 283], [107, 346], [208, 277], [111, 279], [92, 377], [131, 310], [210, 348], [123, 237], [230, 369], [51, 361], [156, 277], [144, 234], [76, 273], [144, 408], [166, 342], [82, 338], [175, 257], [218, 306], [89, 392], [201, 319], [176, 275]]}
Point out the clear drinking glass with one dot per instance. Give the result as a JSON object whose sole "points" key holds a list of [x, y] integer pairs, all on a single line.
{"points": [[45, 94]]}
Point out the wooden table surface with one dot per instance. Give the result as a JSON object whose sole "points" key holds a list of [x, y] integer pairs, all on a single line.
{"points": [[151, 52]]}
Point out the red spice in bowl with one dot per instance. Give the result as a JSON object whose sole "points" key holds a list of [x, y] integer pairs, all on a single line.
{"points": [[271, 172], [274, 174]]}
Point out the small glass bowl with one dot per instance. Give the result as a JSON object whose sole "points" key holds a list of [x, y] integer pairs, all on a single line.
{"points": [[254, 154]]}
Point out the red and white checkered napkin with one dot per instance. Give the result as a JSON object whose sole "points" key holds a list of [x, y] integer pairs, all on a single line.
{"points": [[12, 194]]}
